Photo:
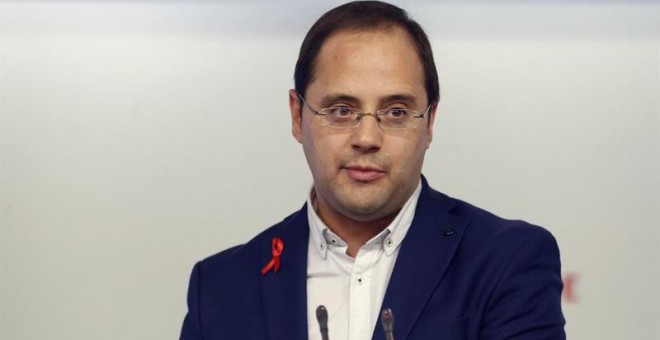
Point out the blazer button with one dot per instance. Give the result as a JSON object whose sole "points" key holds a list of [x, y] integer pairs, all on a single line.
{"points": [[449, 232]]}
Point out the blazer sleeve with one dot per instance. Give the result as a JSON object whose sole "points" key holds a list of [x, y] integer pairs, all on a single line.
{"points": [[192, 328], [526, 303]]}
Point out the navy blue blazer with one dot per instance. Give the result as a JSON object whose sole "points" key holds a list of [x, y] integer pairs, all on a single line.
{"points": [[461, 273]]}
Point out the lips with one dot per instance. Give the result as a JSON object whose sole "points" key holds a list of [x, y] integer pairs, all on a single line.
{"points": [[364, 173]]}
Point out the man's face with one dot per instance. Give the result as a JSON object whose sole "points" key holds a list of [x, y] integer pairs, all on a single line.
{"points": [[365, 173]]}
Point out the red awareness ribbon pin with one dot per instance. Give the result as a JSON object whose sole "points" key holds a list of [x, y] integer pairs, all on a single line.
{"points": [[277, 247]]}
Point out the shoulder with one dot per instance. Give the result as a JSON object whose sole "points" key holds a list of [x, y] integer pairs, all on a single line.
{"points": [[493, 241], [491, 227], [506, 264], [484, 229], [231, 278], [252, 250]]}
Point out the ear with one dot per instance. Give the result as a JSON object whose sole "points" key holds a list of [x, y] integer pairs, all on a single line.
{"points": [[430, 124], [296, 115]]}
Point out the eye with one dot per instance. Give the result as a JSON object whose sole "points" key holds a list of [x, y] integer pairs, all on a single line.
{"points": [[397, 113], [340, 111]]}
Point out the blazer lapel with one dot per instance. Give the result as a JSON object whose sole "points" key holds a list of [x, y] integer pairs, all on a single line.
{"points": [[425, 254], [285, 292]]}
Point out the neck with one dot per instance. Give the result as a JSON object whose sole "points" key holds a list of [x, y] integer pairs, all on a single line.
{"points": [[355, 233]]}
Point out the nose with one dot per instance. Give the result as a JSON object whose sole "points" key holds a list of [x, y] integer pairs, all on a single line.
{"points": [[367, 136]]}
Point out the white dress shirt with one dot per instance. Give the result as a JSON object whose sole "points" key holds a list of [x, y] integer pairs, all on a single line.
{"points": [[351, 289]]}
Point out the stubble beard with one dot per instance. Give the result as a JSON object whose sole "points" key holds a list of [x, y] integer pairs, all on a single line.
{"points": [[363, 202]]}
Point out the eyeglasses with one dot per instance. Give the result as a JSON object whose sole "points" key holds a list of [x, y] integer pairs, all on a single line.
{"points": [[345, 117]]}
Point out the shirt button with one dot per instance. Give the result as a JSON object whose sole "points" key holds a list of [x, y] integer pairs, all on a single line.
{"points": [[359, 280], [389, 242]]}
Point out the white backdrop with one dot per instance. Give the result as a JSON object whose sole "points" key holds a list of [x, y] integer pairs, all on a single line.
{"points": [[138, 137]]}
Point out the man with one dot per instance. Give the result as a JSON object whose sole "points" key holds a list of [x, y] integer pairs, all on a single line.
{"points": [[373, 234]]}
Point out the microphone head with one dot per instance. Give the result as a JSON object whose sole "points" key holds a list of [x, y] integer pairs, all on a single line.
{"points": [[322, 316], [387, 319]]}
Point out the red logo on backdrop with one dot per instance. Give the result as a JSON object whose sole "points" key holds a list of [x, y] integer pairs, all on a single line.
{"points": [[570, 282]]}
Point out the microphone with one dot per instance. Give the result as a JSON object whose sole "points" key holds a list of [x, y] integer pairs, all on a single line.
{"points": [[387, 318], [322, 318]]}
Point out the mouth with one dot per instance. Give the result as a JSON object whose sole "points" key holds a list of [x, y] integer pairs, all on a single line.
{"points": [[364, 173]]}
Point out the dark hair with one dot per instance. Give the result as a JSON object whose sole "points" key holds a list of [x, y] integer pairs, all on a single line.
{"points": [[364, 15]]}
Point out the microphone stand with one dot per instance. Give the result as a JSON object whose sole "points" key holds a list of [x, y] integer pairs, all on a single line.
{"points": [[387, 319], [322, 318]]}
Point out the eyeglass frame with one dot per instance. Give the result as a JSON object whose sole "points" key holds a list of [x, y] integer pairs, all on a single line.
{"points": [[361, 113]]}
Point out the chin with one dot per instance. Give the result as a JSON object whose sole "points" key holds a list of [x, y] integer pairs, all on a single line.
{"points": [[373, 210]]}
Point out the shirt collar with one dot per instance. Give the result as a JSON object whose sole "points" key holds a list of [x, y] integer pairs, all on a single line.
{"points": [[390, 238]]}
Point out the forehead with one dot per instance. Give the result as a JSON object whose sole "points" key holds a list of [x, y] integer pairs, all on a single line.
{"points": [[367, 63]]}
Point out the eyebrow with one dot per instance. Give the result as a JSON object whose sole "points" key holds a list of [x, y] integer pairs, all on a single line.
{"points": [[404, 98], [340, 97]]}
